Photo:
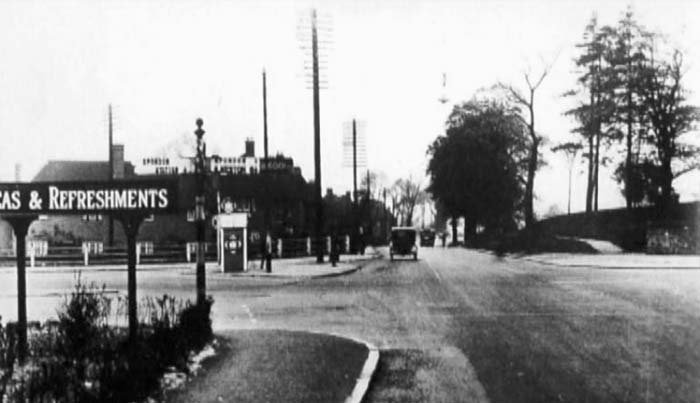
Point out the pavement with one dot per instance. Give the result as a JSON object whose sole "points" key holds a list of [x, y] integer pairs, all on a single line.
{"points": [[302, 267], [617, 261], [600, 245], [306, 267]]}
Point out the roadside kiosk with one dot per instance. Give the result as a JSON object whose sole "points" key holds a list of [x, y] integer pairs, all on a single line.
{"points": [[231, 239]]}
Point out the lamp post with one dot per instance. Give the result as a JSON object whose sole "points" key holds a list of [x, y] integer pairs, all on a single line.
{"points": [[200, 216]]}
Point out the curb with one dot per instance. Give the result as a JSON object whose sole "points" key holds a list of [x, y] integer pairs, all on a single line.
{"points": [[362, 383], [368, 369], [350, 270]]}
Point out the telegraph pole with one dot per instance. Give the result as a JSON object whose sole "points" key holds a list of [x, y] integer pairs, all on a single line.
{"points": [[354, 160], [110, 229], [317, 140], [265, 115], [384, 218], [355, 208], [369, 207]]}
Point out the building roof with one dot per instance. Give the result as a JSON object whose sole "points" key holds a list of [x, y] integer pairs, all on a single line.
{"points": [[63, 171]]}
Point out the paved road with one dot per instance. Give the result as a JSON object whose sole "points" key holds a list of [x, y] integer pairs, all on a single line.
{"points": [[464, 326]]}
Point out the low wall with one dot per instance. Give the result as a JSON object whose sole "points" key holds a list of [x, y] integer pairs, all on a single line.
{"points": [[638, 230]]}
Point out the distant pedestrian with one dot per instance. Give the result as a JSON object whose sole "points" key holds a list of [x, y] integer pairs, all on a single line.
{"points": [[443, 236], [361, 239], [335, 249], [266, 263]]}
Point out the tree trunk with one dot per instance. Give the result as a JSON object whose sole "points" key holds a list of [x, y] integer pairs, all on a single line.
{"points": [[666, 185], [469, 231], [532, 163], [628, 160], [529, 186], [589, 187], [597, 166], [454, 230]]}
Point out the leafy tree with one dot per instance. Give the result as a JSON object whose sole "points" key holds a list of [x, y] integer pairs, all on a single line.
{"points": [[595, 90], [625, 58], [474, 169], [663, 99], [632, 91]]}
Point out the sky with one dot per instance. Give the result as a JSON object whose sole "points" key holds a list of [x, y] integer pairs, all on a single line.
{"points": [[163, 64]]}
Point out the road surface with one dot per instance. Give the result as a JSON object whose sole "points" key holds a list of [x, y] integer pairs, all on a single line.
{"points": [[461, 325]]}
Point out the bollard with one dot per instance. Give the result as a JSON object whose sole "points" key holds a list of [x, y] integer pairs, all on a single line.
{"points": [[85, 255], [279, 247], [308, 245]]}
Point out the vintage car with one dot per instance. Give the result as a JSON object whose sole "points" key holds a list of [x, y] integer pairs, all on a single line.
{"points": [[427, 237], [403, 242]]}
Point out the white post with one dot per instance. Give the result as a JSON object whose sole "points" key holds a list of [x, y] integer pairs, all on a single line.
{"points": [[245, 249], [32, 252], [138, 252], [85, 254], [279, 247], [308, 245], [328, 244], [347, 243], [187, 251], [220, 234]]}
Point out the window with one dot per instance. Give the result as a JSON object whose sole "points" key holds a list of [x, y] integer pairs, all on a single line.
{"points": [[190, 215], [92, 217]]}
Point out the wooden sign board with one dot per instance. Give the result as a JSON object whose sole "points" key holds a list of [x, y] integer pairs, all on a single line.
{"points": [[119, 196]]}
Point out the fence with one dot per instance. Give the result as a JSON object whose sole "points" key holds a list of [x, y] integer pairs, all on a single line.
{"points": [[40, 253], [298, 247]]}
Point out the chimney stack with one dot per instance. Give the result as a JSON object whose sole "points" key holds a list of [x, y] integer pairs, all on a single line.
{"points": [[249, 147], [118, 161]]}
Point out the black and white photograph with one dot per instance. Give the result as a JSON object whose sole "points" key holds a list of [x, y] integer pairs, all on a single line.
{"points": [[351, 201]]}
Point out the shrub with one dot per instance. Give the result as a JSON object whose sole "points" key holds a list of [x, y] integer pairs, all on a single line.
{"points": [[166, 338], [7, 355], [195, 322], [81, 358]]}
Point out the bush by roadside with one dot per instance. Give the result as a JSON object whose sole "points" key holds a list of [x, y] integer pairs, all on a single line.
{"points": [[83, 357], [531, 242]]}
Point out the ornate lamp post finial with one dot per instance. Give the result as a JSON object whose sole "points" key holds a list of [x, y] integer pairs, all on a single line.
{"points": [[199, 132]]}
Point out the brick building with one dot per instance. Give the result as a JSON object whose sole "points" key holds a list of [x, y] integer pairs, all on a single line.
{"points": [[281, 193]]}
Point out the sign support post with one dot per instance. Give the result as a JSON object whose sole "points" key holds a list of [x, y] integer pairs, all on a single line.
{"points": [[131, 224], [20, 225]]}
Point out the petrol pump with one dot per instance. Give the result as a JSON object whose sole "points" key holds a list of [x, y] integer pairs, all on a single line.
{"points": [[231, 237]]}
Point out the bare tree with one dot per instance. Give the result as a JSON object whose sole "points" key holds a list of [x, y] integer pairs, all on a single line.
{"points": [[527, 101], [571, 150], [405, 194]]}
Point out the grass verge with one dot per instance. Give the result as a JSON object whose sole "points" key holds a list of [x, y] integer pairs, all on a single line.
{"points": [[277, 366]]}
